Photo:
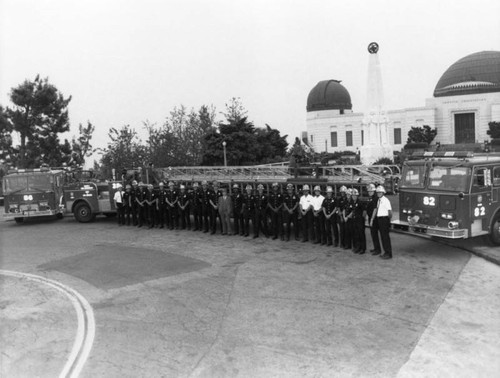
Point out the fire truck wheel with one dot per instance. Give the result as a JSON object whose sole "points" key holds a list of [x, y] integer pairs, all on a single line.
{"points": [[19, 220], [83, 213], [495, 230]]}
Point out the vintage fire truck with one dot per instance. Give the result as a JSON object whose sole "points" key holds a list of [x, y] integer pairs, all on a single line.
{"points": [[86, 197], [453, 195], [32, 193]]}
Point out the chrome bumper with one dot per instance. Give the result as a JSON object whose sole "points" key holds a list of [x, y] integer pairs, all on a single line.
{"points": [[30, 214], [441, 232]]}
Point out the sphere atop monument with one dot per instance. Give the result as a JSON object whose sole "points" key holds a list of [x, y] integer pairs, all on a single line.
{"points": [[328, 95], [475, 73]]}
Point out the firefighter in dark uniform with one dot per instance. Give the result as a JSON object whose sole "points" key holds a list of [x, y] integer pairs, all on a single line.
{"points": [[127, 203], [237, 198], [370, 208], [275, 204], [330, 213], [260, 215], [150, 205], [205, 205], [290, 206], [359, 219], [248, 208], [347, 213], [341, 203], [134, 192], [161, 205], [195, 204], [184, 212], [172, 198], [140, 198], [214, 200]]}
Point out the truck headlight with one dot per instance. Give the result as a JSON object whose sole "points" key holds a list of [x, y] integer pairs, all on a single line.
{"points": [[448, 216]]}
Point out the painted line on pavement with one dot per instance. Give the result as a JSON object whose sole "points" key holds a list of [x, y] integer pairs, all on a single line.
{"points": [[86, 323]]}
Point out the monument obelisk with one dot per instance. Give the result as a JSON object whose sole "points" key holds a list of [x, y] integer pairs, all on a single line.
{"points": [[375, 121]]}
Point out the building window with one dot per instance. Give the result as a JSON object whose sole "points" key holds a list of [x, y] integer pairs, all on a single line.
{"points": [[362, 137], [333, 139], [348, 138], [312, 138], [397, 136]]}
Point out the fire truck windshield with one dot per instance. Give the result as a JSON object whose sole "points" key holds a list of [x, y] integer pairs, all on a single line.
{"points": [[413, 176], [35, 182], [449, 178]]}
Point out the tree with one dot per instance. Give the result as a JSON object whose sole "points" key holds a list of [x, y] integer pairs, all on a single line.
{"points": [[494, 130], [6, 147], [125, 151], [421, 134], [81, 147], [39, 115]]}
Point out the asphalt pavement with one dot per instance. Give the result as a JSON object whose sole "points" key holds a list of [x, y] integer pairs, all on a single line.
{"points": [[187, 304]]}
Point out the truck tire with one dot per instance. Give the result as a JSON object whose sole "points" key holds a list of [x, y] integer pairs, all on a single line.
{"points": [[19, 220], [495, 230], [83, 213]]}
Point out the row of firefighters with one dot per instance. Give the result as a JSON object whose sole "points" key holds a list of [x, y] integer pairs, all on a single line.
{"points": [[330, 220]]}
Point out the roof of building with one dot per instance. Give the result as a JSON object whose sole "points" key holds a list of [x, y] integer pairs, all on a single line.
{"points": [[328, 95], [475, 73]]}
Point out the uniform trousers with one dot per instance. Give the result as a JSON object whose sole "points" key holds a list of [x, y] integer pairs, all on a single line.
{"points": [[120, 211], [359, 234], [308, 226], [289, 219], [348, 233], [185, 218], [238, 222], [332, 230], [247, 215], [260, 222], [319, 228], [277, 223], [382, 225], [207, 216], [197, 218]]}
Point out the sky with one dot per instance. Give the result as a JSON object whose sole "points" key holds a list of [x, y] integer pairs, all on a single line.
{"points": [[129, 61]]}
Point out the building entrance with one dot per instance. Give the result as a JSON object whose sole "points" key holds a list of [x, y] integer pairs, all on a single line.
{"points": [[465, 131]]}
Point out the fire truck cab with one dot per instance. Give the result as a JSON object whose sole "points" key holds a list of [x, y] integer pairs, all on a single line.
{"points": [[87, 199], [33, 193], [451, 195]]}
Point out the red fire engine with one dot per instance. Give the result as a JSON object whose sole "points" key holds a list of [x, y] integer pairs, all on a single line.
{"points": [[33, 193], [451, 195]]}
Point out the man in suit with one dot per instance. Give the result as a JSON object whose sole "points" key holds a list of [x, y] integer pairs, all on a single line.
{"points": [[225, 207]]}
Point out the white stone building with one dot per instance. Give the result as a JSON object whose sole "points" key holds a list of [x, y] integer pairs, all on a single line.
{"points": [[466, 98]]}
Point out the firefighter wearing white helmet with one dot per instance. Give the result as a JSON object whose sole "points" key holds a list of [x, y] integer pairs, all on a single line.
{"points": [[290, 214], [329, 211], [318, 217], [306, 212], [237, 200], [119, 204], [184, 203], [260, 214], [248, 208], [381, 222], [370, 207], [342, 202], [275, 205]]}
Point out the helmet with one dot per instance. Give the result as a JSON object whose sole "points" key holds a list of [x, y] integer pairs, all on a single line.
{"points": [[235, 186], [128, 186], [371, 188], [150, 186], [248, 187], [161, 183], [170, 183], [215, 183], [317, 188], [305, 187], [134, 182], [349, 192], [260, 186], [119, 186], [275, 184], [195, 184], [343, 188], [355, 192], [183, 187], [204, 182], [289, 186], [329, 189], [380, 189]]}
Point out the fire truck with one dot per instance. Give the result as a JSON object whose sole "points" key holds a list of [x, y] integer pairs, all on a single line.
{"points": [[87, 197], [30, 193], [451, 195]]}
